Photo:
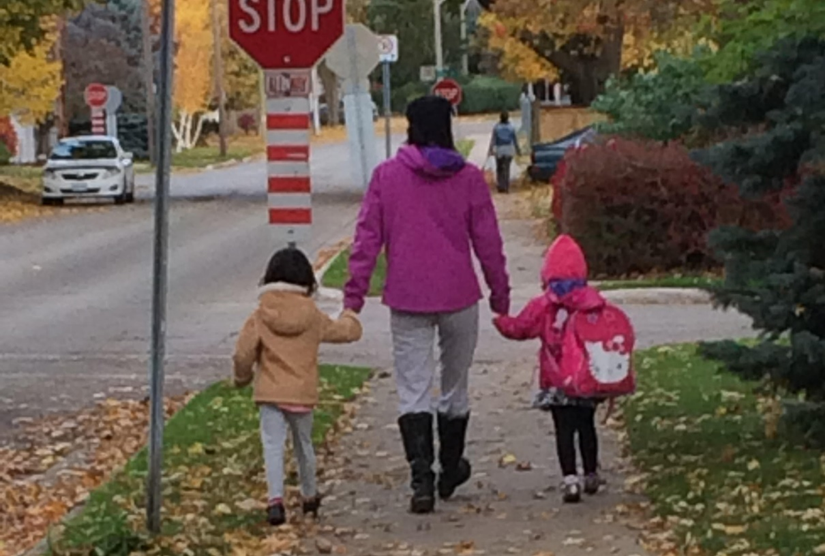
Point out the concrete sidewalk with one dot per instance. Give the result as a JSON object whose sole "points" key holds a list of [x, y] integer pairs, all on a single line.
{"points": [[508, 508]]}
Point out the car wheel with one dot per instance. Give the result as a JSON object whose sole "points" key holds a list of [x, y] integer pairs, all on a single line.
{"points": [[124, 196], [130, 196]]}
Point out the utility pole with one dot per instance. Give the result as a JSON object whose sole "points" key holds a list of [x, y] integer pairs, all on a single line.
{"points": [[217, 62], [149, 80], [439, 46], [160, 269]]}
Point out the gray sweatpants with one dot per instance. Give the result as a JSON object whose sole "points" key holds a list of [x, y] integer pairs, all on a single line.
{"points": [[273, 437], [413, 338]]}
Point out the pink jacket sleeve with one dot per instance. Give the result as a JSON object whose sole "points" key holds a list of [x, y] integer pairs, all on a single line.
{"points": [[369, 240], [528, 325], [488, 245]]}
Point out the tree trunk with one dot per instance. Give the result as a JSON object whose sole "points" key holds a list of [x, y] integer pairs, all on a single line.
{"points": [[217, 62], [330, 83]]}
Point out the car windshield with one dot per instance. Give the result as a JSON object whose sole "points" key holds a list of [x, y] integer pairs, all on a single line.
{"points": [[84, 150]]}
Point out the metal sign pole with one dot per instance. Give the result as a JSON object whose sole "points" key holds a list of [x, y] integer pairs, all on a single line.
{"points": [[160, 270], [387, 108]]}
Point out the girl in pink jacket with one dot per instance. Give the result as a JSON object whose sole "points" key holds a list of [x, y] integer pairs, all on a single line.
{"points": [[564, 279]]}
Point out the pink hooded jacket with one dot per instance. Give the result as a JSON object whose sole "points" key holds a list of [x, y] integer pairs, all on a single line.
{"points": [[430, 212], [545, 315]]}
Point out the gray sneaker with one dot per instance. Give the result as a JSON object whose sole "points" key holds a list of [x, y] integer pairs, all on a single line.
{"points": [[571, 490]]}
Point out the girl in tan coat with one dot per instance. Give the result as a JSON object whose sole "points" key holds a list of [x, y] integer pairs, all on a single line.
{"points": [[281, 338]]}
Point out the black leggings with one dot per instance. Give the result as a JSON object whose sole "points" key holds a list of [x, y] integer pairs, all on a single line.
{"points": [[569, 420]]}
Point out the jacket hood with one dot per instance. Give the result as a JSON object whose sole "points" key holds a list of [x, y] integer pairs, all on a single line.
{"points": [[586, 298], [431, 162], [564, 261], [285, 309]]}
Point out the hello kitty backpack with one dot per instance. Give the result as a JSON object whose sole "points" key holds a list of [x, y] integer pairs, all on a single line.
{"points": [[597, 354]]}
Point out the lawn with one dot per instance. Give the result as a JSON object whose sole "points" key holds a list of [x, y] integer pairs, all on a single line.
{"points": [[672, 281], [718, 477], [465, 146], [338, 274], [214, 489], [24, 178]]}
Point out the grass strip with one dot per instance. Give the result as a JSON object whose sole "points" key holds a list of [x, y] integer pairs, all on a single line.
{"points": [[717, 474], [213, 486]]}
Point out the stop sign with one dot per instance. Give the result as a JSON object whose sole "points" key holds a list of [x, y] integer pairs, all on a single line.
{"points": [[286, 34], [96, 95], [449, 89]]}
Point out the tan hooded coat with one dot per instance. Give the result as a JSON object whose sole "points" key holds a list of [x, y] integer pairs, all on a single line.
{"points": [[283, 336]]}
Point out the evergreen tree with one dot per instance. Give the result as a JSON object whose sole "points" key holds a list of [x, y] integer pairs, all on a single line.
{"points": [[777, 276]]}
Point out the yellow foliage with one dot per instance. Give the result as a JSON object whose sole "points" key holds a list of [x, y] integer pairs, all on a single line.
{"points": [[647, 26], [31, 82], [193, 60], [518, 61]]}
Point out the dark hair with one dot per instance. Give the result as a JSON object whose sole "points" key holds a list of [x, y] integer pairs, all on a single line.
{"points": [[504, 116], [430, 122], [290, 266]]}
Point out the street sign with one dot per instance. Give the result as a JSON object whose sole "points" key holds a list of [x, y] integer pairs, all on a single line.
{"points": [[286, 34], [113, 102], [355, 54], [280, 83], [114, 98], [427, 74], [388, 48], [449, 89], [96, 95]]}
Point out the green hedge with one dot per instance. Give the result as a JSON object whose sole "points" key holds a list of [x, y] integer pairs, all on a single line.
{"points": [[482, 94]]}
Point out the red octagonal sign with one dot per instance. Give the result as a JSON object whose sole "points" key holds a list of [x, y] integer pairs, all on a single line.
{"points": [[286, 34], [450, 90], [96, 95]]}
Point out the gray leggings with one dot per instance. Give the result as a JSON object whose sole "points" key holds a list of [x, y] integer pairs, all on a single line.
{"points": [[273, 436], [413, 338]]}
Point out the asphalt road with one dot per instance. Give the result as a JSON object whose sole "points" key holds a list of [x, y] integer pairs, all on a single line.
{"points": [[75, 290]]}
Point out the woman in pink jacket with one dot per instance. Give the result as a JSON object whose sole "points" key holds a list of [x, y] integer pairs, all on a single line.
{"points": [[429, 211]]}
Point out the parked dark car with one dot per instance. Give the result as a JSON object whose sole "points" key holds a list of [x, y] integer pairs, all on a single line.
{"points": [[545, 157]]}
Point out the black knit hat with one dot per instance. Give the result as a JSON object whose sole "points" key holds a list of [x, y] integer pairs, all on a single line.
{"points": [[431, 122]]}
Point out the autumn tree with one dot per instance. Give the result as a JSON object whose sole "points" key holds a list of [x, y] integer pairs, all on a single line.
{"points": [[193, 76], [30, 83], [587, 41], [103, 44], [21, 26]]}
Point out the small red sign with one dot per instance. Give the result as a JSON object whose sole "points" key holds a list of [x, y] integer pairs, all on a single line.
{"points": [[281, 84], [286, 34], [449, 89], [96, 95]]}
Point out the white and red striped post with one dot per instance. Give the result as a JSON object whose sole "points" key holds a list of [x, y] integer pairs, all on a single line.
{"points": [[98, 121], [287, 151]]}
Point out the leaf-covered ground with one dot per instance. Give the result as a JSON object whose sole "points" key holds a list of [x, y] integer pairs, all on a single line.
{"points": [[214, 490], [54, 464], [720, 480]]}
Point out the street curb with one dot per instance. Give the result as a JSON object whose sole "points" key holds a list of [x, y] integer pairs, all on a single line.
{"points": [[659, 296], [322, 264]]}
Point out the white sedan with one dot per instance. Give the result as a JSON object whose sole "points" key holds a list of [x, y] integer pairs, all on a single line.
{"points": [[93, 166]]}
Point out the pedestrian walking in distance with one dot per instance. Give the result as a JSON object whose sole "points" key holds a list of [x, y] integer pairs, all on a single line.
{"points": [[429, 211], [278, 350], [504, 147]]}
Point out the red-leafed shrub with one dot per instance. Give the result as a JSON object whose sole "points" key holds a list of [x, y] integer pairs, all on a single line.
{"points": [[8, 140], [248, 123], [641, 207]]}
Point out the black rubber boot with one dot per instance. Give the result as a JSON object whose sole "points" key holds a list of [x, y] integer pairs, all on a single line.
{"points": [[417, 433], [455, 469]]}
